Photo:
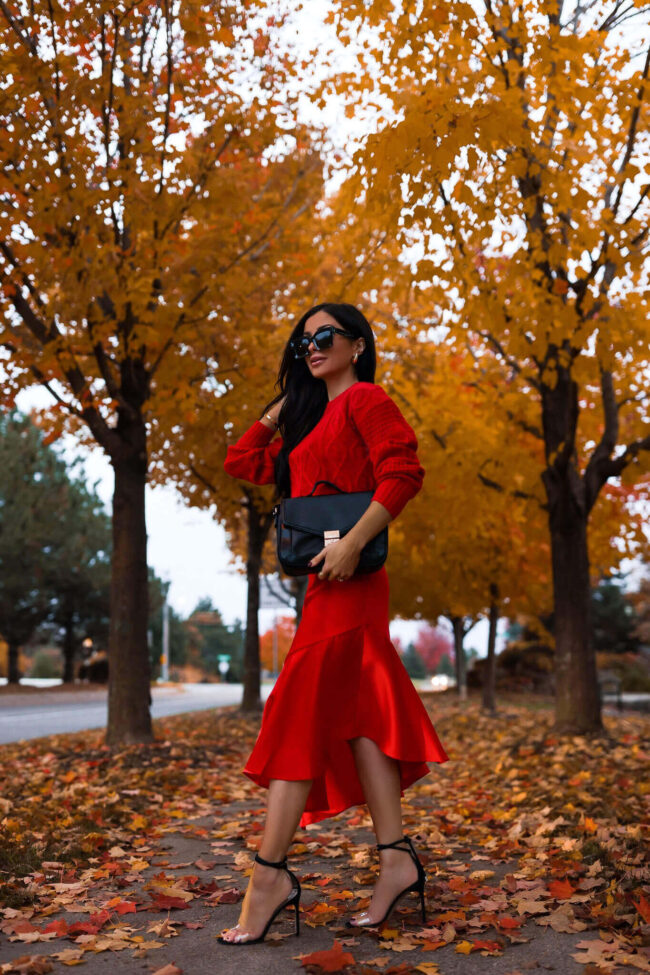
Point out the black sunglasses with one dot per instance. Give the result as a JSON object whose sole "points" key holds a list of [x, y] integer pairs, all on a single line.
{"points": [[322, 339]]}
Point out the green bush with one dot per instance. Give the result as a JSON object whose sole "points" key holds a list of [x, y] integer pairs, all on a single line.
{"points": [[45, 666], [632, 669]]}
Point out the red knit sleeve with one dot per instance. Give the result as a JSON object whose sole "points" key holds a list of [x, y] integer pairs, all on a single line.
{"points": [[252, 458], [392, 446]]}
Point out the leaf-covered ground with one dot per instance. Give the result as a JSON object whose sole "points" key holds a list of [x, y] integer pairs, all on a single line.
{"points": [[532, 844]]}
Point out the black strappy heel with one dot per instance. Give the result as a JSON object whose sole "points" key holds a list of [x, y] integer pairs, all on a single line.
{"points": [[292, 900], [416, 887]]}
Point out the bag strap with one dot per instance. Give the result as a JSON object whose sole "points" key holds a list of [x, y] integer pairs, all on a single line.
{"points": [[331, 484]]}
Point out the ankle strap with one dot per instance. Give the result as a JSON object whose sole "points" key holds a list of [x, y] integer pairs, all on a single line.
{"points": [[396, 845], [278, 864]]}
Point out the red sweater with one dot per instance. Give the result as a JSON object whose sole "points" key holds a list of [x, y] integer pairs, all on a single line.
{"points": [[361, 443]]}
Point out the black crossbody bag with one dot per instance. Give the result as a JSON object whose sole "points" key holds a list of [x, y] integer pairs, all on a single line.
{"points": [[306, 524]]}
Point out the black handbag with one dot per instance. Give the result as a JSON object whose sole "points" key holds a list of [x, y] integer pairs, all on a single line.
{"points": [[306, 524]]}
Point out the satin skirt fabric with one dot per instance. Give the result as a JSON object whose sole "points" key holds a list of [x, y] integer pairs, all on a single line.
{"points": [[342, 678]]}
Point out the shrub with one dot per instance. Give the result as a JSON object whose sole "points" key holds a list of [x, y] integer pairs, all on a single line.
{"points": [[632, 668], [45, 665]]}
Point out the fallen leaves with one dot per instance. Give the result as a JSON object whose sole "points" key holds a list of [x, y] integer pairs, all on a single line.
{"points": [[508, 833], [332, 960], [28, 965], [561, 889]]}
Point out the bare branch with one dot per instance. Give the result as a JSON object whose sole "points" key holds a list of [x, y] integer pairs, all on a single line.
{"points": [[200, 477], [168, 98], [514, 365], [644, 193], [15, 23], [495, 486], [223, 269], [607, 443], [614, 16], [601, 465], [631, 139], [286, 597], [613, 467], [196, 186]]}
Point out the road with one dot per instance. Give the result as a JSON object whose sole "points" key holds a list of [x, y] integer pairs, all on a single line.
{"points": [[48, 712]]}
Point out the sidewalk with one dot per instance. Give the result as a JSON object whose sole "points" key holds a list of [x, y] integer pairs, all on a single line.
{"points": [[512, 877]]}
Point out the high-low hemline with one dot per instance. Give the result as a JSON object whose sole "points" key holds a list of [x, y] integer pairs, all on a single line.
{"points": [[345, 685]]}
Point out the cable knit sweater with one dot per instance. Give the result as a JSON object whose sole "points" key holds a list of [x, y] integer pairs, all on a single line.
{"points": [[361, 443]]}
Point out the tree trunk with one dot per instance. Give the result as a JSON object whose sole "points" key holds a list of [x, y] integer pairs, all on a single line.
{"points": [[460, 664], [13, 674], [259, 524], [300, 588], [577, 701], [129, 719], [68, 650], [489, 703]]}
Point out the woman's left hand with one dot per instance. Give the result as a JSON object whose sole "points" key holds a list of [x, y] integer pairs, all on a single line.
{"points": [[341, 559]]}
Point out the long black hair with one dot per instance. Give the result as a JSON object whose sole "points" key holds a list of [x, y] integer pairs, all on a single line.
{"points": [[306, 396]]}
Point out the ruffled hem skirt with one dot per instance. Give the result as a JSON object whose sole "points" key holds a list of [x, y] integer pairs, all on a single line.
{"points": [[342, 679]]}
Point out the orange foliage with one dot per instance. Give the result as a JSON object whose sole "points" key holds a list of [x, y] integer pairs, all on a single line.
{"points": [[283, 632]]}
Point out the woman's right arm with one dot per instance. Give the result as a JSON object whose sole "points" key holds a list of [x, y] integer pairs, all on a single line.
{"points": [[252, 458]]}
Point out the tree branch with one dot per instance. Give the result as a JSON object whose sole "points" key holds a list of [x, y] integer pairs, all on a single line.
{"points": [[25, 39], [631, 139], [206, 483]]}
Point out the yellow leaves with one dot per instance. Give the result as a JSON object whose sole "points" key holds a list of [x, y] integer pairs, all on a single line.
{"points": [[468, 434], [138, 823], [481, 875], [464, 947]]}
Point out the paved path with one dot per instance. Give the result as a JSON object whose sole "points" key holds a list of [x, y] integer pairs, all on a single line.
{"points": [[189, 936], [54, 712]]}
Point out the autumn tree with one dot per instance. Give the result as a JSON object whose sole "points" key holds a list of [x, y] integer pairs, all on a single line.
{"points": [[432, 644], [275, 643], [508, 149], [319, 262], [471, 543], [208, 638], [221, 413], [150, 163], [475, 541]]}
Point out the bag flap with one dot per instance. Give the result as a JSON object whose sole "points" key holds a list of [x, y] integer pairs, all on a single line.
{"points": [[324, 512]]}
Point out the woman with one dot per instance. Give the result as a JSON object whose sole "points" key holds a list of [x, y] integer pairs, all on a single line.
{"points": [[343, 723]]}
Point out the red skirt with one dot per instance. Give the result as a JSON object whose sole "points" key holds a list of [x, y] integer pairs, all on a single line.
{"points": [[342, 678]]}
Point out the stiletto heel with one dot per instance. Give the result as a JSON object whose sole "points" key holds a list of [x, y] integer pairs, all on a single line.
{"points": [[292, 900], [417, 886]]}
